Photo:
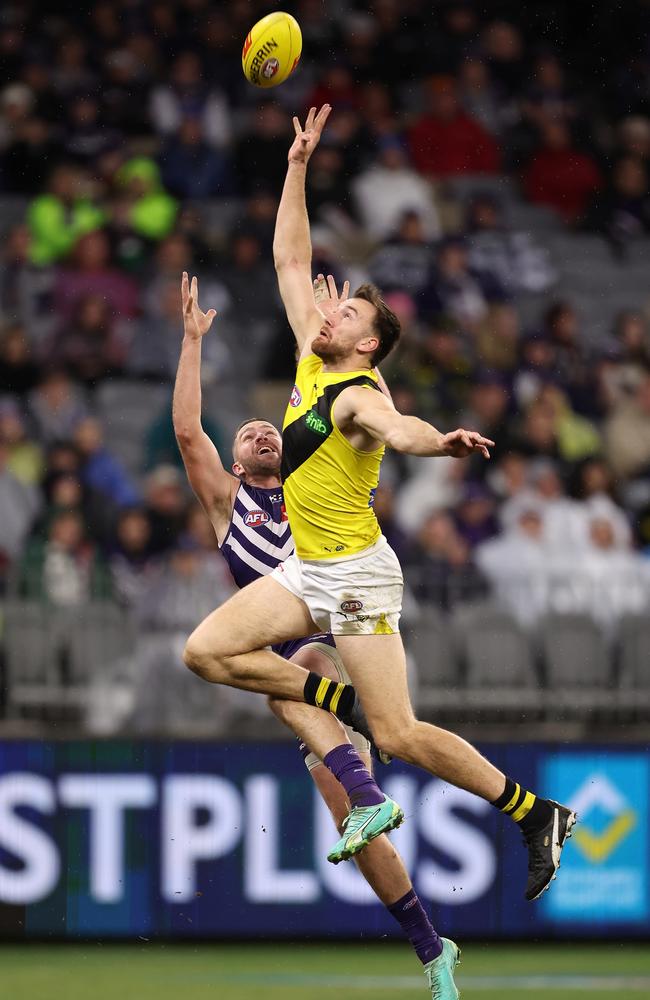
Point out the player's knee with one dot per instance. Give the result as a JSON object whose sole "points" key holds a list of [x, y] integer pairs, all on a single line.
{"points": [[392, 739], [200, 660]]}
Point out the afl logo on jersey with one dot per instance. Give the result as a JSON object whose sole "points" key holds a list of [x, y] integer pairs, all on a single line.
{"points": [[351, 607], [256, 518], [296, 396]]}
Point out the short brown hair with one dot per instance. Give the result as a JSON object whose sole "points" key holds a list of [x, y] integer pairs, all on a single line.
{"points": [[386, 325]]}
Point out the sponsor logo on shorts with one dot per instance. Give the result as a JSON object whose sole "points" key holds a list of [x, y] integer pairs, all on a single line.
{"points": [[351, 607], [256, 518], [296, 396]]}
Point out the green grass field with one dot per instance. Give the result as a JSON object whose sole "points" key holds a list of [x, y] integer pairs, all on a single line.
{"points": [[311, 972]]}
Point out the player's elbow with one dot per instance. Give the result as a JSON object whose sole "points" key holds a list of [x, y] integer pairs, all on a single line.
{"points": [[286, 261]]}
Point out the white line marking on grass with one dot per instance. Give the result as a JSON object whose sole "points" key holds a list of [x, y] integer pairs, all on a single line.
{"points": [[574, 983]]}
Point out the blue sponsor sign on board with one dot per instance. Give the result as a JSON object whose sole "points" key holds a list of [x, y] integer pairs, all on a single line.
{"points": [[213, 840], [604, 878]]}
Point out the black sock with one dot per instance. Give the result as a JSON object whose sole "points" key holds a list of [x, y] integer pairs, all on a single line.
{"points": [[526, 809], [332, 696]]}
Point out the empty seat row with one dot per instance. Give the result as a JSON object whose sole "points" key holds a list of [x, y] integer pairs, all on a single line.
{"points": [[481, 657]]}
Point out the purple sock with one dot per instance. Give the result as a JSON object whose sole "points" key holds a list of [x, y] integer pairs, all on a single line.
{"points": [[409, 913], [347, 767]]}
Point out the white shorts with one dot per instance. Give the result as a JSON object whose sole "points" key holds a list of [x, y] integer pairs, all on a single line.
{"points": [[355, 595], [359, 742]]}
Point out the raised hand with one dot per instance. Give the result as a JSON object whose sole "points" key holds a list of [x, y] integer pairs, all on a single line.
{"points": [[461, 443], [308, 138], [326, 293], [196, 323]]}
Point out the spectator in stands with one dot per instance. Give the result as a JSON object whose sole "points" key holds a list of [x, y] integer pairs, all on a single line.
{"points": [[66, 569], [480, 98], [548, 95], [261, 153], [497, 338], [86, 135], [442, 376], [90, 345], [445, 141], [389, 188], [140, 202], [488, 410], [384, 507], [27, 163], [56, 406], [560, 175], [456, 290], [160, 447], [166, 506], [24, 457], [19, 504], [536, 368], [191, 167], [608, 581], [577, 437], [622, 211], [58, 218], [187, 94], [572, 363], [475, 515], [545, 493], [519, 264], [503, 45], [16, 106], [199, 528], [90, 272], [627, 433], [100, 469], [19, 372], [131, 562], [515, 563], [405, 262], [440, 566]]}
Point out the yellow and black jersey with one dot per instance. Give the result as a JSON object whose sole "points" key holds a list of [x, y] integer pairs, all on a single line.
{"points": [[329, 486]]}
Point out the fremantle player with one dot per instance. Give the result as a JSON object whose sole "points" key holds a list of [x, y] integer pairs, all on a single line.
{"points": [[343, 575], [247, 511]]}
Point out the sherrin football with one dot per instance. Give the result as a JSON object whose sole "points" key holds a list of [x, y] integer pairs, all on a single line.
{"points": [[272, 50]]}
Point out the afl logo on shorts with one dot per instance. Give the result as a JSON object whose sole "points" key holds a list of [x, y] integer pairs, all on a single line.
{"points": [[256, 518], [351, 607], [296, 396]]}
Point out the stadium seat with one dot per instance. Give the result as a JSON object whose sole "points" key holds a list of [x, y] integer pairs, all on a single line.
{"points": [[576, 663], [430, 642], [498, 659], [126, 408], [634, 662], [51, 653]]}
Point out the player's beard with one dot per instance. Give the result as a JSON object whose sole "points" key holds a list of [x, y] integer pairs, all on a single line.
{"points": [[327, 351], [264, 465]]}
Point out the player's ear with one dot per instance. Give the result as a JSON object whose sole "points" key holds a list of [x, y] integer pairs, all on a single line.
{"points": [[368, 345], [238, 470]]}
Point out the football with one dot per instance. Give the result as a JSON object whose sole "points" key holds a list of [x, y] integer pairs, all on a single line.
{"points": [[271, 50]]}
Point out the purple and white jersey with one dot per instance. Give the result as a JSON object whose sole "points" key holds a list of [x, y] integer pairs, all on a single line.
{"points": [[259, 539], [259, 536]]}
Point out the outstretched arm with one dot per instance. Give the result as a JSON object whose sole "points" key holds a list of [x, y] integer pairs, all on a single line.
{"points": [[292, 242], [212, 484], [365, 410]]}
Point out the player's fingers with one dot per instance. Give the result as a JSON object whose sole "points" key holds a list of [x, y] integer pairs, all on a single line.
{"points": [[346, 290], [310, 119], [296, 125], [322, 116], [194, 289], [484, 452], [466, 439], [331, 284], [211, 313]]}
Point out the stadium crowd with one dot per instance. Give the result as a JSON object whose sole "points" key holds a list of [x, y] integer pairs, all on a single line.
{"points": [[462, 136]]}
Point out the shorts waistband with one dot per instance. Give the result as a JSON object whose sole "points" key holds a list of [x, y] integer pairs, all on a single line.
{"points": [[381, 543]]}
